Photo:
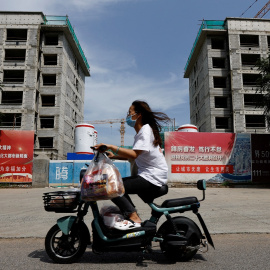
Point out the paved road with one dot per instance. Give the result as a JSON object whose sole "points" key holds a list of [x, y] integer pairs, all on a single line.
{"points": [[233, 251], [225, 210], [238, 219]]}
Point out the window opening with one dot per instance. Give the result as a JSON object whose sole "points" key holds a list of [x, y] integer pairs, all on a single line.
{"points": [[249, 40], [217, 43], [46, 121], [218, 62], [51, 40], [35, 139], [17, 34], [196, 100], [37, 97], [15, 55], [249, 59], [13, 76], [45, 142], [222, 122], [12, 97], [255, 121], [252, 100], [195, 67], [38, 77], [196, 118], [251, 79], [50, 59], [219, 82], [49, 79], [77, 84], [47, 100], [221, 102], [76, 65], [11, 120], [36, 125]]}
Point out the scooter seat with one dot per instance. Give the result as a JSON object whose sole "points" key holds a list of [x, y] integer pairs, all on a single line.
{"points": [[179, 202], [155, 193]]}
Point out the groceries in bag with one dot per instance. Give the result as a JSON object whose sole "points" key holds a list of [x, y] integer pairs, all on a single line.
{"points": [[102, 180]]}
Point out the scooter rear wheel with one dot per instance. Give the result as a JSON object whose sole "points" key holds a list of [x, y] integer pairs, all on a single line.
{"points": [[63, 248], [189, 230]]}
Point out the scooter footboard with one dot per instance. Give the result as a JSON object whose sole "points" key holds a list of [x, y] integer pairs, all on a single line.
{"points": [[106, 239]]}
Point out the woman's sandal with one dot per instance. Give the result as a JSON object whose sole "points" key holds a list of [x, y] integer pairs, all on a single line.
{"points": [[126, 225]]}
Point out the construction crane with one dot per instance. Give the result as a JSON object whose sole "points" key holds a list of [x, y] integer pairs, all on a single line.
{"points": [[263, 11], [111, 121], [122, 127]]}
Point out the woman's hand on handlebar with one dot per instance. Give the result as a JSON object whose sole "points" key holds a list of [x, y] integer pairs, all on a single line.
{"points": [[120, 152], [101, 147]]}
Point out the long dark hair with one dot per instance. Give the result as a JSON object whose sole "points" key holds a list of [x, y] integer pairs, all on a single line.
{"points": [[151, 118]]}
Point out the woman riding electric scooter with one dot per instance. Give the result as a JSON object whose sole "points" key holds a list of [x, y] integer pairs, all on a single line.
{"points": [[147, 153]]}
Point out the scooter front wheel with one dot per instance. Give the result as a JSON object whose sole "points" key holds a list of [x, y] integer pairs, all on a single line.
{"points": [[63, 248], [191, 233]]}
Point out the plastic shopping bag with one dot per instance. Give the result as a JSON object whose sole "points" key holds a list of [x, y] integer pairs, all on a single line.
{"points": [[110, 215], [102, 180]]}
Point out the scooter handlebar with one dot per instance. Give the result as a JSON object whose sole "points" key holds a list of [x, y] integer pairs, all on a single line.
{"points": [[101, 149]]}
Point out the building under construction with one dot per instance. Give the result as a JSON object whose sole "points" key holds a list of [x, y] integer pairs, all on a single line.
{"points": [[42, 78], [222, 75]]}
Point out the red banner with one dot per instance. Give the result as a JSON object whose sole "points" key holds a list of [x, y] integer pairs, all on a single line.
{"points": [[16, 155], [193, 155]]}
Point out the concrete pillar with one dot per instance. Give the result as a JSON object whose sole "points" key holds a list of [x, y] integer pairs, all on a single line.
{"points": [[41, 171]]}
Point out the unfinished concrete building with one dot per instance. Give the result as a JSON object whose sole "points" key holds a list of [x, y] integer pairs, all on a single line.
{"points": [[42, 77], [222, 75]]}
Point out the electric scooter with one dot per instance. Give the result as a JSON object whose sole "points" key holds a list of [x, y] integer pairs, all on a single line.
{"points": [[180, 238]]}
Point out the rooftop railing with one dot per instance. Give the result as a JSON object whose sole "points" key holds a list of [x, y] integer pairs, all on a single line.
{"points": [[63, 20]]}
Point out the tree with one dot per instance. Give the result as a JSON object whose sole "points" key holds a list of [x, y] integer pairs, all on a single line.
{"points": [[263, 66]]}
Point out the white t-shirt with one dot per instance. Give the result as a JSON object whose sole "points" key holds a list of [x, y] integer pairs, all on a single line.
{"points": [[151, 162]]}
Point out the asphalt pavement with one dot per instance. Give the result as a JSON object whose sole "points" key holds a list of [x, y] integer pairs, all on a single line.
{"points": [[233, 252], [225, 210]]}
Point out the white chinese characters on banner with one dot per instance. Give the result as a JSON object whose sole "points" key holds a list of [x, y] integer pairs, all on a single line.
{"points": [[15, 156], [61, 173], [193, 156], [192, 149], [5, 147], [17, 169]]}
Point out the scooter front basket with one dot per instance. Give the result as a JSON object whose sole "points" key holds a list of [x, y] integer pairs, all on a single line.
{"points": [[61, 201]]}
